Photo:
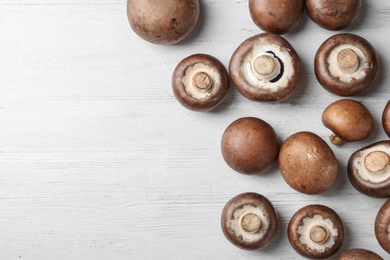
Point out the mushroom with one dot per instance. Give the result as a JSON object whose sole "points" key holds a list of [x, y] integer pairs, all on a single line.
{"points": [[249, 221], [163, 22], [359, 254], [265, 67], [369, 171], [276, 16], [250, 145], [386, 118], [307, 163], [346, 64], [200, 82], [349, 120], [382, 226], [316, 232], [333, 14]]}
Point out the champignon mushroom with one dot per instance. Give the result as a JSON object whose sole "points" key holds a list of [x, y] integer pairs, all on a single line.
{"points": [[316, 232], [386, 118], [307, 163], [359, 254], [250, 145], [346, 64], [369, 171], [249, 221], [333, 14], [382, 226], [200, 82], [276, 16], [163, 22], [265, 67], [349, 120]]}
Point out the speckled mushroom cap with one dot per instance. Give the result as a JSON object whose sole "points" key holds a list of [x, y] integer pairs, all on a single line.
{"points": [[359, 254], [200, 82], [346, 64], [249, 221], [316, 232], [369, 171], [265, 67], [382, 226], [333, 14], [386, 119], [278, 17]]}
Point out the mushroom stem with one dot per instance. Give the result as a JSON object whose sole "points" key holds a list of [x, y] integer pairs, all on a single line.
{"points": [[334, 139], [202, 81], [264, 65], [251, 223], [376, 161], [348, 60], [319, 235]]}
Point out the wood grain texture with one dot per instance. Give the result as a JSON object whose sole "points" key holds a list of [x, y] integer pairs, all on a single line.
{"points": [[99, 161]]}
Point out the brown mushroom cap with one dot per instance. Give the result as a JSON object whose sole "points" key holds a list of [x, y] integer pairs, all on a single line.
{"points": [[349, 120], [163, 22], [250, 63], [346, 64], [382, 226], [333, 14], [386, 118], [276, 16], [307, 163], [369, 171], [316, 232], [200, 82], [249, 221], [250, 145], [359, 254]]}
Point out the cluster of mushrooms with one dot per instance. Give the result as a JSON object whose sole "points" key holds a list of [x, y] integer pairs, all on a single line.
{"points": [[265, 67]]}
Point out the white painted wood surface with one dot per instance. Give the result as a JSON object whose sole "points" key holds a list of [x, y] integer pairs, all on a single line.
{"points": [[99, 161]]}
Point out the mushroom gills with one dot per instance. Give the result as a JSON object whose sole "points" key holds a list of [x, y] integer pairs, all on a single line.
{"points": [[373, 164], [199, 80]]}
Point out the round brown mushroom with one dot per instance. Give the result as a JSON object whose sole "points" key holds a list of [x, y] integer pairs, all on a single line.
{"points": [[250, 145], [349, 120], [163, 22], [386, 118], [307, 163], [316, 232], [346, 64], [369, 171], [265, 67], [333, 14], [382, 226], [276, 16], [249, 221], [359, 254], [200, 82]]}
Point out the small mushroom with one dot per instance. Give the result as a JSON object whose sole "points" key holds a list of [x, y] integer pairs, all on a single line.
{"points": [[382, 226], [386, 118], [200, 82], [265, 67], [349, 120], [316, 232], [163, 22], [249, 221], [276, 16], [346, 64], [333, 14], [307, 163], [369, 171], [250, 145], [359, 254]]}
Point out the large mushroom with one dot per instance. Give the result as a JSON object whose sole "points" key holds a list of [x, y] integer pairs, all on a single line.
{"points": [[276, 16], [386, 119], [346, 64], [163, 22], [333, 14], [382, 226], [250, 145], [200, 82], [369, 171], [307, 163], [265, 67], [316, 232], [249, 221], [359, 254]]}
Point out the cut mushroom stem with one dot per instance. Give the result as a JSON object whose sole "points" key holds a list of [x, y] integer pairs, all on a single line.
{"points": [[319, 235], [202, 81], [377, 161], [264, 65], [251, 223], [348, 60], [334, 139]]}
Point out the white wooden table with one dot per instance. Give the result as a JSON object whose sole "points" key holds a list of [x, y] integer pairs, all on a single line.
{"points": [[99, 161]]}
